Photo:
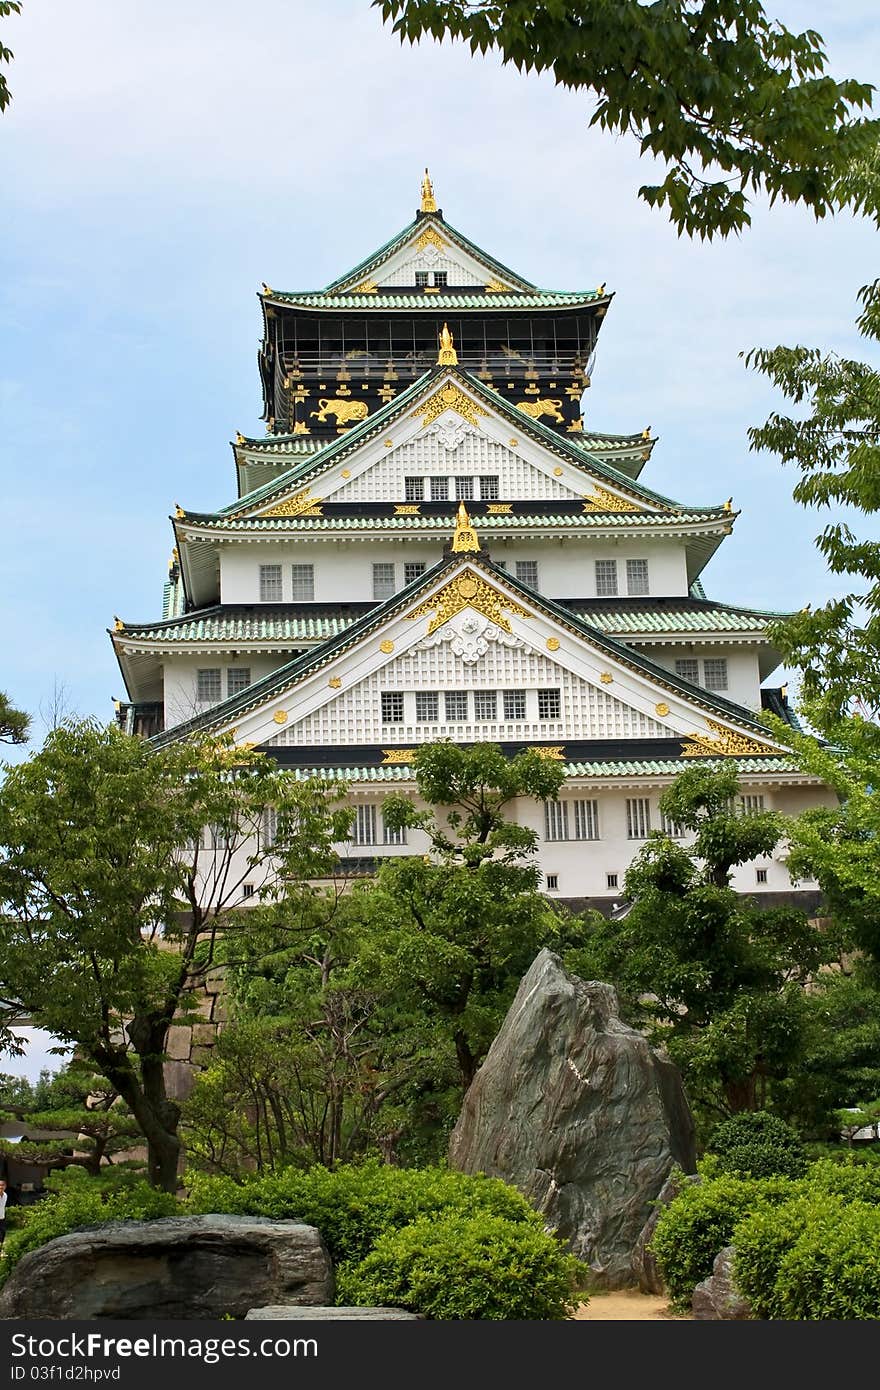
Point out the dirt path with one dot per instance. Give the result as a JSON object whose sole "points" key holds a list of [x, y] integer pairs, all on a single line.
{"points": [[628, 1305]]}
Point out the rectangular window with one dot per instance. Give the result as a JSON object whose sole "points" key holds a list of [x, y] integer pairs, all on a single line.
{"points": [[671, 827], [441, 278], [606, 578], [689, 669], [552, 883], [611, 880], [383, 581], [636, 576], [303, 583], [749, 804], [270, 584], [456, 705], [208, 687], [549, 704], [527, 572], [237, 678], [413, 569], [464, 489], [421, 279], [638, 817], [715, 673], [501, 564], [586, 820], [514, 704], [392, 706], [555, 820], [439, 489], [489, 487], [414, 489], [363, 830], [247, 890], [393, 837], [485, 704], [427, 706], [760, 875], [268, 827]]}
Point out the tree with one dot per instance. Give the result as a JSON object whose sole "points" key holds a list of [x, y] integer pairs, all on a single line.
{"points": [[7, 7], [111, 906], [731, 100], [13, 722], [82, 1109], [717, 979]]}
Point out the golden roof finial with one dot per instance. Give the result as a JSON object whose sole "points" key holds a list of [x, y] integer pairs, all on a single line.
{"points": [[429, 202], [728, 505], [465, 538], [447, 356], [178, 510], [239, 437], [118, 624], [646, 432]]}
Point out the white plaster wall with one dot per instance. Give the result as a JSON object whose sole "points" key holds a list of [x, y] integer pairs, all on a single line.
{"points": [[743, 674], [344, 568], [181, 683]]}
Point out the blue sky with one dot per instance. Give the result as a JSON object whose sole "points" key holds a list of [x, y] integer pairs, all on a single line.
{"points": [[160, 160]]}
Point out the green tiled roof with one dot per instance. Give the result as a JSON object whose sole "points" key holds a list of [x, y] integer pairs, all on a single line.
{"points": [[303, 525], [265, 625], [354, 437], [304, 444], [420, 224], [620, 767], [438, 303]]}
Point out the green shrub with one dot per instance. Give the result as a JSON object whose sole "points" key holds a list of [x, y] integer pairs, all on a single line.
{"points": [[814, 1258], [81, 1204], [758, 1145], [854, 1181], [700, 1221], [354, 1204], [465, 1267]]}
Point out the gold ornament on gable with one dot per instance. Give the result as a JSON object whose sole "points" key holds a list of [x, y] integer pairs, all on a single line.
{"points": [[303, 504], [397, 755], [468, 590], [449, 397], [601, 500], [722, 742]]}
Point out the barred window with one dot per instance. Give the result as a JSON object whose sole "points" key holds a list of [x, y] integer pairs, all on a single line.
{"points": [[414, 489], [638, 817], [237, 678], [715, 673], [749, 804], [421, 279], [303, 583], [363, 830], [392, 706], [636, 576], [611, 880], [553, 883], [247, 890], [489, 487], [270, 584], [606, 578], [464, 489], [383, 581], [456, 705], [390, 836], [586, 820], [689, 669], [514, 704], [671, 827], [439, 489], [760, 875], [268, 827], [485, 704], [413, 569], [527, 572], [555, 820], [427, 706], [208, 686], [441, 278], [549, 704]]}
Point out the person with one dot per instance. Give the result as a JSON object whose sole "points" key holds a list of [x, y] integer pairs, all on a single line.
{"points": [[3, 1198]]}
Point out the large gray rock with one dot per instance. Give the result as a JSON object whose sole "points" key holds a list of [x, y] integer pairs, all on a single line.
{"points": [[573, 1107], [645, 1269], [178, 1267], [718, 1297], [287, 1314]]}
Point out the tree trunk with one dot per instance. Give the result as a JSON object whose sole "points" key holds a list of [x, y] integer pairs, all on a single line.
{"points": [[467, 1062]]}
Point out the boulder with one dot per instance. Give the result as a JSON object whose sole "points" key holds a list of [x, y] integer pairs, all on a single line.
{"points": [[644, 1266], [718, 1297], [286, 1313], [177, 1267], [576, 1110]]}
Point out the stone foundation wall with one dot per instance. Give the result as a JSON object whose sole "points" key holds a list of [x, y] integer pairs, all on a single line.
{"points": [[192, 1039]]}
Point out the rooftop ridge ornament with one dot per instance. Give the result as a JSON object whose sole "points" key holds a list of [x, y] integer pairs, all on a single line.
{"points": [[447, 356], [465, 539], [429, 202]]}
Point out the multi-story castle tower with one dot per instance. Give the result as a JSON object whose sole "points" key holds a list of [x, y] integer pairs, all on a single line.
{"points": [[431, 543]]}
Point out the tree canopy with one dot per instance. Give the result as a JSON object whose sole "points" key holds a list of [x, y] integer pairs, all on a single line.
{"points": [[14, 723], [732, 101], [7, 7]]}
